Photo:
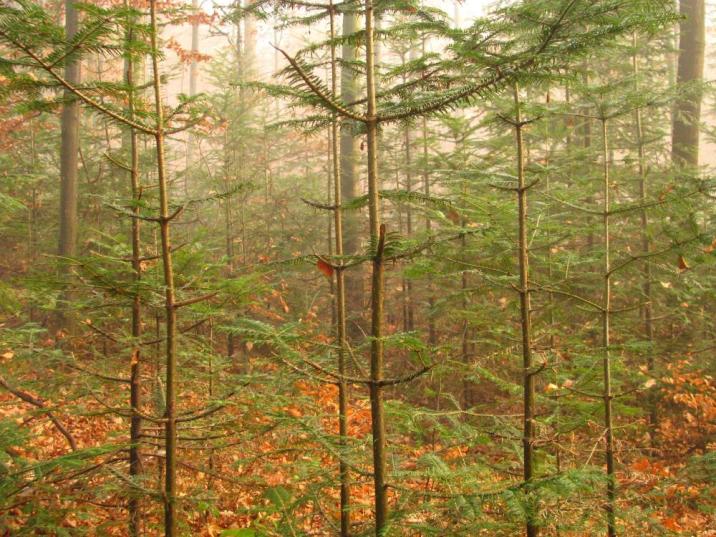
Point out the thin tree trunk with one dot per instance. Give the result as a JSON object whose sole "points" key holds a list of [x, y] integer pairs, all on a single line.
{"points": [[340, 303], [170, 490], [606, 341], [647, 309], [465, 332], [687, 111], [228, 215], [331, 217], [135, 428], [348, 163], [228, 233], [432, 332], [409, 313], [377, 235], [193, 77], [69, 150], [528, 437], [249, 54]]}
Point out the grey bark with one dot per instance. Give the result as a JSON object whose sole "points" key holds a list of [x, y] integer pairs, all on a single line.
{"points": [[687, 110]]}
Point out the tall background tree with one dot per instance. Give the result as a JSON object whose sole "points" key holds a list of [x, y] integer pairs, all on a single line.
{"points": [[690, 75]]}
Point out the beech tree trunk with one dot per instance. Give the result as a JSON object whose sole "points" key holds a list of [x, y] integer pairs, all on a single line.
{"points": [[687, 110]]}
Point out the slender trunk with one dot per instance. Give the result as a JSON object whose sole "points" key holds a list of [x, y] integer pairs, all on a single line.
{"points": [[135, 427], [401, 230], [647, 309], [210, 357], [193, 76], [170, 490], [465, 332], [687, 111], [340, 303], [349, 155], [377, 235], [557, 445], [331, 217], [193, 66], [229, 160], [69, 150], [432, 332], [528, 437], [606, 335], [249, 55], [409, 314], [228, 233]]}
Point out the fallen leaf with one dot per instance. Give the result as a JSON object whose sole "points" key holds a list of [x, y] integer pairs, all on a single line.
{"points": [[683, 265]]}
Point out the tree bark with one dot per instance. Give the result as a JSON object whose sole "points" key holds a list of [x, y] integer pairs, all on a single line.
{"points": [[407, 284], [193, 77], [340, 301], [687, 110], [528, 375], [377, 236], [135, 427], [170, 416], [432, 330], [349, 155], [69, 148], [647, 308], [606, 341], [250, 33]]}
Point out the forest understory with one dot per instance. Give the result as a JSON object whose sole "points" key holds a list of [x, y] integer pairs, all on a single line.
{"points": [[357, 267]]}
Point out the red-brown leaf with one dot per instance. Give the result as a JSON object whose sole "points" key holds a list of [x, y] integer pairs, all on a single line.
{"points": [[325, 268]]}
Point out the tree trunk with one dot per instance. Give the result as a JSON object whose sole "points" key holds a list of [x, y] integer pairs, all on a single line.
{"points": [[647, 308], [348, 168], [69, 150], [407, 284], [193, 77], [687, 110], [377, 235], [340, 303], [606, 341], [170, 416], [135, 428], [249, 55], [528, 374], [432, 331]]}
